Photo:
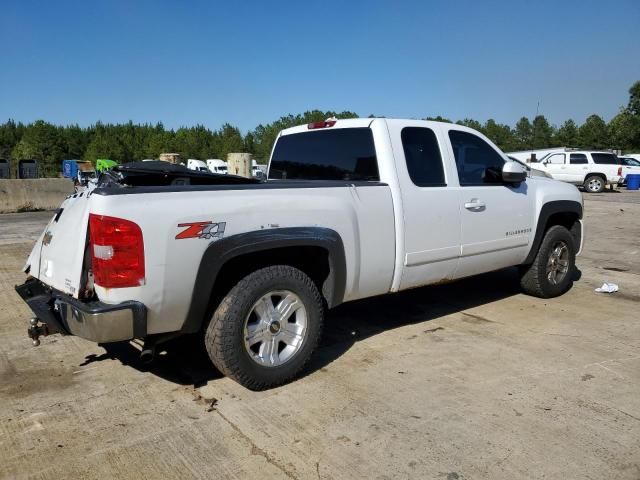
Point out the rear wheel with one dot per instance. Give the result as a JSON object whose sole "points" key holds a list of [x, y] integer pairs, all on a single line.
{"points": [[551, 273], [594, 184], [266, 328]]}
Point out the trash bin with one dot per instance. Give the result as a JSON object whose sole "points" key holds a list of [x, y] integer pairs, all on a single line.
{"points": [[633, 181]]}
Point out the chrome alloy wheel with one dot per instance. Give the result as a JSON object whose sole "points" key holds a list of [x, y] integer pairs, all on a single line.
{"points": [[558, 263], [595, 184], [275, 329]]}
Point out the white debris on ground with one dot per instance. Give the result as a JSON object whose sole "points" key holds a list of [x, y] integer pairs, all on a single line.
{"points": [[608, 287]]}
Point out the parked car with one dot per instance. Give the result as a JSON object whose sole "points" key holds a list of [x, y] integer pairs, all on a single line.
{"points": [[352, 209], [590, 169], [629, 166]]}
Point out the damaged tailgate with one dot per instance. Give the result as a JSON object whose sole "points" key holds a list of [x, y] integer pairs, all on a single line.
{"points": [[57, 257]]}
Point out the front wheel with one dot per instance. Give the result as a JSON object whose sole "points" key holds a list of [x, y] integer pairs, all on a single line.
{"points": [[266, 328], [551, 273], [594, 184]]}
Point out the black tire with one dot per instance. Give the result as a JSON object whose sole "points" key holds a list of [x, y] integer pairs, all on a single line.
{"points": [[535, 279], [594, 184], [224, 336]]}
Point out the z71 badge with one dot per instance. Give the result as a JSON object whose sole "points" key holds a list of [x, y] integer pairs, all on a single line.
{"points": [[206, 230]]}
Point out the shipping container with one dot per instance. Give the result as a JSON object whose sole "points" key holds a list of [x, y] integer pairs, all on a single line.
{"points": [[28, 169], [5, 169]]}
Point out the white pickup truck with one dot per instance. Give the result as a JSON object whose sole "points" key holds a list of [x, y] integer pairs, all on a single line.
{"points": [[590, 169], [351, 209]]}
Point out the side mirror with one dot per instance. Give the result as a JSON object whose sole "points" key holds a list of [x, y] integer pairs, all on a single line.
{"points": [[513, 172]]}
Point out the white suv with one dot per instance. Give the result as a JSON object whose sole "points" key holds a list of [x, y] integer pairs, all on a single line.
{"points": [[593, 170], [630, 166]]}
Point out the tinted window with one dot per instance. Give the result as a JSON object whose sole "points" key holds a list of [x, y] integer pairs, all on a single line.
{"points": [[477, 162], [556, 158], [578, 158], [341, 154], [422, 155], [630, 162], [605, 158]]}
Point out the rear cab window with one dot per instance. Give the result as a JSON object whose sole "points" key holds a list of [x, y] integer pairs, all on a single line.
{"points": [[423, 158], [342, 154]]}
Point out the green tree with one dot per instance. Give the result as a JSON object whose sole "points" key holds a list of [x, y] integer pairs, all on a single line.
{"points": [[567, 134], [500, 134], [10, 135], [250, 143], [157, 142], [524, 134], [593, 133], [634, 98], [542, 133], [41, 141], [439, 118], [624, 131], [230, 140], [469, 122], [105, 145], [76, 141]]}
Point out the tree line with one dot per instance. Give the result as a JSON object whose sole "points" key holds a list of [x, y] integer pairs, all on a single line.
{"points": [[50, 144]]}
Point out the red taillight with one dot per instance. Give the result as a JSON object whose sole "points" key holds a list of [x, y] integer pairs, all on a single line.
{"points": [[117, 250], [619, 171], [325, 124]]}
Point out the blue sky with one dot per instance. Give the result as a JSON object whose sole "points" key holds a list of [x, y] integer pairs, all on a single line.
{"points": [[208, 62]]}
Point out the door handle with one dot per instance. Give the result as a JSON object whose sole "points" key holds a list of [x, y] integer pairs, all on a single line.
{"points": [[475, 204]]}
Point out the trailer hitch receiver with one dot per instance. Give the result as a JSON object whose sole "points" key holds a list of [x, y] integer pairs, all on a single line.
{"points": [[36, 331]]}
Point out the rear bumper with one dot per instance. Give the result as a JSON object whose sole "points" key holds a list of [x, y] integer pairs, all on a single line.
{"points": [[95, 321]]}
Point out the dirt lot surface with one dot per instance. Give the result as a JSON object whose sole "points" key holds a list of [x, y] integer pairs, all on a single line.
{"points": [[463, 381]]}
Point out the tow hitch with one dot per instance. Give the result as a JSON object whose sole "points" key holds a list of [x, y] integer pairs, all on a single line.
{"points": [[36, 331]]}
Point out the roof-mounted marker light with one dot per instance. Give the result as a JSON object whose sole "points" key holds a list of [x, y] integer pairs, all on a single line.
{"points": [[329, 122]]}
